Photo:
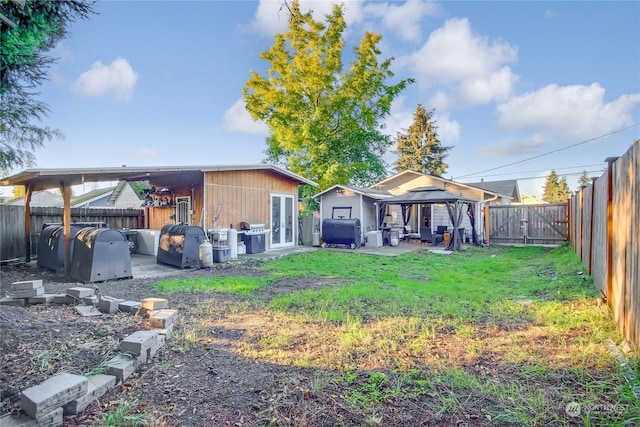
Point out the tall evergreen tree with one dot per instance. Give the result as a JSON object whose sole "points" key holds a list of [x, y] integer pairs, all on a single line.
{"points": [[324, 121], [556, 190], [38, 25], [419, 148], [584, 179]]}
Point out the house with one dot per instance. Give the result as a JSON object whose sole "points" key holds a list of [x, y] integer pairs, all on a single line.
{"points": [[206, 196], [408, 216], [507, 187], [122, 196], [43, 198]]}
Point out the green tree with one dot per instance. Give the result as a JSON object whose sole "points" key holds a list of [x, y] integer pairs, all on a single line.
{"points": [[419, 148], [324, 122], [556, 189], [24, 60], [584, 179]]}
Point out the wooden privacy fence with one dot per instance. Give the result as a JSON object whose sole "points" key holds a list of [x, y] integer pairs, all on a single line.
{"points": [[605, 233], [528, 224], [12, 242]]}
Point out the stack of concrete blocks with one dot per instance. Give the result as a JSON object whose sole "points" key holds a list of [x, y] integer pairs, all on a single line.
{"points": [[161, 318], [46, 403], [24, 292], [137, 349]]}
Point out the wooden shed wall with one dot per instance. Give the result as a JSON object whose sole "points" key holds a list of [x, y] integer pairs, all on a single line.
{"points": [[244, 195]]}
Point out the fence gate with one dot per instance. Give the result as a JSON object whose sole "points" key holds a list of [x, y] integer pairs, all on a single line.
{"points": [[528, 224]]}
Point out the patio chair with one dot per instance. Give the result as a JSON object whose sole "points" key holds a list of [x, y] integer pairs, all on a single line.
{"points": [[426, 236], [440, 230]]}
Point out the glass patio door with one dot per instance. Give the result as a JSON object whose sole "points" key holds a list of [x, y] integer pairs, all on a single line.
{"points": [[282, 220]]}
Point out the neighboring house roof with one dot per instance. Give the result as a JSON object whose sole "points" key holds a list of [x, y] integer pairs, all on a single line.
{"points": [[368, 192], [40, 199], [402, 179], [508, 187], [87, 199], [41, 179]]}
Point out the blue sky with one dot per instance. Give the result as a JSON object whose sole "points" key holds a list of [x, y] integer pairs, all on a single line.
{"points": [[153, 83]]}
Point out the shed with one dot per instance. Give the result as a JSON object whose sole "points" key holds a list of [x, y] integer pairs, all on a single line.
{"points": [[206, 196], [358, 202]]}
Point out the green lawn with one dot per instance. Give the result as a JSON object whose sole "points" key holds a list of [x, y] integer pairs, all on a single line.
{"points": [[515, 334]]}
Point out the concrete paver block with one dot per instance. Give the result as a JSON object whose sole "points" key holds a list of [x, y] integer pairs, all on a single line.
{"points": [[27, 293], [53, 393], [163, 318], [42, 299], [87, 311], [79, 292], [98, 385], [26, 284], [63, 299], [154, 303], [122, 366], [91, 300], [109, 304], [142, 344], [164, 332], [20, 302], [129, 306], [52, 419]]}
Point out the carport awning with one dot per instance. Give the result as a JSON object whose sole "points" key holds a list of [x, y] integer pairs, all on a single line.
{"points": [[423, 195]]}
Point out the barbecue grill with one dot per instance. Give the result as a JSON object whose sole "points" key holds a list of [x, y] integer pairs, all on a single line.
{"points": [[253, 236], [341, 230]]}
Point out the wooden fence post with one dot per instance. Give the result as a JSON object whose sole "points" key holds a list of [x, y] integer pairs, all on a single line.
{"points": [[609, 274]]}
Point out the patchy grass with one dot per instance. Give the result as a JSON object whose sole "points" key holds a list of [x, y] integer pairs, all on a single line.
{"points": [[503, 336]]}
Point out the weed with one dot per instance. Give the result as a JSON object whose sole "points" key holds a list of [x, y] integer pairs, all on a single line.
{"points": [[123, 416]]}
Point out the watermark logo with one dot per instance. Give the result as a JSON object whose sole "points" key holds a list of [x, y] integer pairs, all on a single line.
{"points": [[573, 409]]}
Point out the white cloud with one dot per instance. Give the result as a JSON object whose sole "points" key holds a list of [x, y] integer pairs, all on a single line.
{"points": [[238, 119], [117, 79], [403, 19], [575, 111], [473, 68], [272, 16], [448, 130]]}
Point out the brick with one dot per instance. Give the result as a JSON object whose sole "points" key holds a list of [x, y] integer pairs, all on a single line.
{"points": [[20, 302], [109, 304], [98, 385], [163, 319], [27, 293], [154, 303], [53, 393], [87, 311], [91, 300], [26, 285], [164, 332], [52, 419], [79, 292], [129, 306], [42, 299], [142, 344], [63, 299], [122, 366]]}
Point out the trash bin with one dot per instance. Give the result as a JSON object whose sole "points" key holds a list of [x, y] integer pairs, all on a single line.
{"points": [[100, 254], [51, 246], [179, 245]]}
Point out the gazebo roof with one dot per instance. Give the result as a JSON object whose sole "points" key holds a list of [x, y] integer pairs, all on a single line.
{"points": [[426, 195]]}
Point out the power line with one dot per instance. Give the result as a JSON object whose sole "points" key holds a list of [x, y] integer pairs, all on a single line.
{"points": [[544, 170], [550, 152]]}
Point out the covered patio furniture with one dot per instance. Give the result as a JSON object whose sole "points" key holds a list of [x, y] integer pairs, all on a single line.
{"points": [[426, 236]]}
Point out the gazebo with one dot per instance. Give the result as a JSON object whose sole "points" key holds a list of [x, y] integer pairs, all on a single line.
{"points": [[426, 195]]}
